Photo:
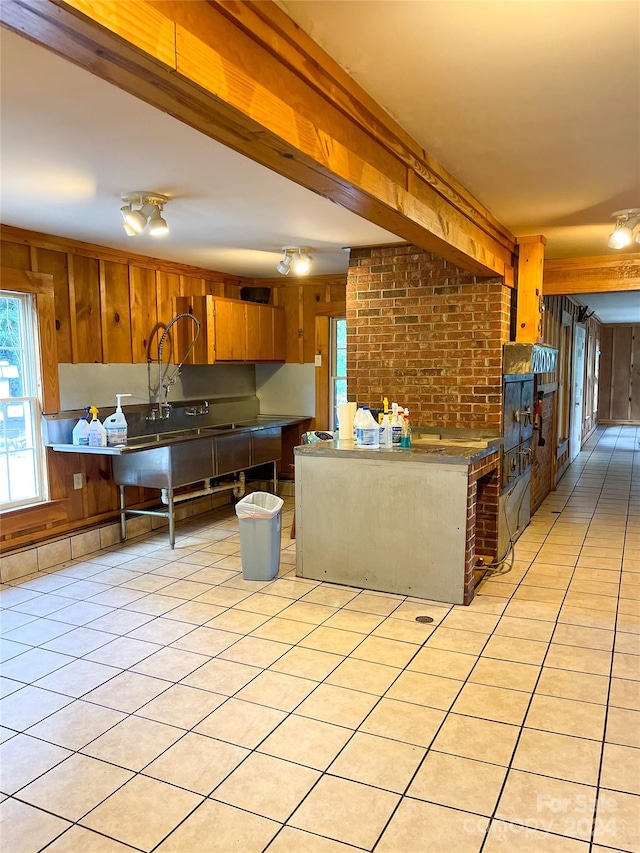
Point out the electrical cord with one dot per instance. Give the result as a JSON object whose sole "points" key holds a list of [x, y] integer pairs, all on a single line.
{"points": [[493, 568]]}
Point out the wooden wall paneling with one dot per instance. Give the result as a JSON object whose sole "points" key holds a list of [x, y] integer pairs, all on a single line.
{"points": [[290, 298], [167, 289], [56, 264], [190, 286], [604, 388], [116, 313], [61, 468], [86, 332], [621, 373], [144, 316], [14, 256], [313, 296], [182, 333], [100, 494], [634, 405]]}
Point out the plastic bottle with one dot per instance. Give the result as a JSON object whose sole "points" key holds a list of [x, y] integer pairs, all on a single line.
{"points": [[116, 424], [97, 433], [396, 425], [80, 432], [367, 430], [405, 440], [386, 436]]}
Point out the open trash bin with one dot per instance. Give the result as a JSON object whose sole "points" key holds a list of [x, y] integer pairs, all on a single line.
{"points": [[260, 529]]}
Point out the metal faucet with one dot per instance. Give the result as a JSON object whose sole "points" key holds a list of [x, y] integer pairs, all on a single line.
{"points": [[163, 410]]}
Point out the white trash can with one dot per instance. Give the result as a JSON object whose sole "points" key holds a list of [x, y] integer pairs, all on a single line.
{"points": [[259, 521]]}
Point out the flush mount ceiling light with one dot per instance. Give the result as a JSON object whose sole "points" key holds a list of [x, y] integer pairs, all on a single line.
{"points": [[297, 259], [627, 222], [149, 213]]}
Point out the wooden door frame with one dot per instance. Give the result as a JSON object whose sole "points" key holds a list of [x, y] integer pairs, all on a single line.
{"points": [[324, 316]]}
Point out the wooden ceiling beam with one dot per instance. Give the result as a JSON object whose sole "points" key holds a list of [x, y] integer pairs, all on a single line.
{"points": [[599, 274], [234, 72]]}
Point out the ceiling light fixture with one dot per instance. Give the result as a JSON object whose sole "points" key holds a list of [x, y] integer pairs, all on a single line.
{"points": [[297, 259], [627, 222], [150, 205]]}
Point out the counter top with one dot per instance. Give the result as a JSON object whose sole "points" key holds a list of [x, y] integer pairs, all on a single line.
{"points": [[450, 450], [173, 437]]}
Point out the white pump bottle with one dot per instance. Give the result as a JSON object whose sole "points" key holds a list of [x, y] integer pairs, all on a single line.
{"points": [[116, 424]]}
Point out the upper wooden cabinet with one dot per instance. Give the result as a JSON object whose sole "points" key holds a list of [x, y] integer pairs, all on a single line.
{"points": [[231, 330]]}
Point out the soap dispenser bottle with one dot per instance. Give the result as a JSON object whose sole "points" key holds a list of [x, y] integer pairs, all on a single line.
{"points": [[116, 424], [97, 433]]}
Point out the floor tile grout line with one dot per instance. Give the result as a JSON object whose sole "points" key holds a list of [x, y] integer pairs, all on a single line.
{"points": [[510, 767]]}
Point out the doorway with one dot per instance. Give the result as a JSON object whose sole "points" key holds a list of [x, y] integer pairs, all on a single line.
{"points": [[577, 392]]}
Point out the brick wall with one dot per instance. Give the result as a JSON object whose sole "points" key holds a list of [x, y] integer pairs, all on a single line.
{"points": [[427, 334]]}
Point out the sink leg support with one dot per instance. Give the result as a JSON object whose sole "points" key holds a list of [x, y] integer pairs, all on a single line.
{"points": [[123, 515], [172, 519]]}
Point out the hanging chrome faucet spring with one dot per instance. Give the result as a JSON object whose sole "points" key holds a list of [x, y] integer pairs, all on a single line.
{"points": [[164, 408]]}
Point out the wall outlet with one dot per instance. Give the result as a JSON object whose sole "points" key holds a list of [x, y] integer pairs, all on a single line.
{"points": [[318, 361], [77, 481]]}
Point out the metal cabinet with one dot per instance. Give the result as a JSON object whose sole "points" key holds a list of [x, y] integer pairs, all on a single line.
{"points": [[266, 445], [232, 453]]}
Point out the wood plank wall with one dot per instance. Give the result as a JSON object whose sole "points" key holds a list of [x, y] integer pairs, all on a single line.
{"points": [[109, 305], [620, 374]]}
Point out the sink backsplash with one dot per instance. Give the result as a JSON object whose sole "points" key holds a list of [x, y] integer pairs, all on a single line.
{"points": [[57, 428]]}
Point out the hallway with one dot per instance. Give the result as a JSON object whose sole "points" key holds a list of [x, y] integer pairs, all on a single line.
{"points": [[154, 700]]}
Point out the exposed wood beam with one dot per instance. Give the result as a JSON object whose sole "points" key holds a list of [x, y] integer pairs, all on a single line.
{"points": [[529, 299], [600, 274], [243, 74]]}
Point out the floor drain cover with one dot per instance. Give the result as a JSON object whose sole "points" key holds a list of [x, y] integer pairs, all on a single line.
{"points": [[426, 619]]}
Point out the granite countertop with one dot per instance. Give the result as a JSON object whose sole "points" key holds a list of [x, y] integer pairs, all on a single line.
{"points": [[172, 437], [461, 451]]}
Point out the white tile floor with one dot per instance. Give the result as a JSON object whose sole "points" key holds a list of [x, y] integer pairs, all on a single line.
{"points": [[154, 700]]}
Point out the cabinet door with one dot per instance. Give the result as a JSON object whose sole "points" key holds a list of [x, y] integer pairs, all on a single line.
{"points": [[279, 335], [253, 329], [266, 333], [230, 332]]}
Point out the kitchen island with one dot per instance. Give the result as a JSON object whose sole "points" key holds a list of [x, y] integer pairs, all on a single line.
{"points": [[400, 521]]}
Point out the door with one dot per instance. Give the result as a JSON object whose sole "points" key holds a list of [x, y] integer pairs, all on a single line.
{"points": [[577, 389]]}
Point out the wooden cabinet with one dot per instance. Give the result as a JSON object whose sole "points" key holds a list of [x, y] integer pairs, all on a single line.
{"points": [[233, 330]]}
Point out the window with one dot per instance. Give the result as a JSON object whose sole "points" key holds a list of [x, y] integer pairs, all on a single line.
{"points": [[22, 473], [338, 367]]}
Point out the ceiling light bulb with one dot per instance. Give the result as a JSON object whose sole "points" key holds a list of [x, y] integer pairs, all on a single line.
{"points": [[301, 264], [157, 225], [621, 236], [284, 267]]}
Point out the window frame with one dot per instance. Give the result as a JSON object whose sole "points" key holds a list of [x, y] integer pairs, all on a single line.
{"points": [[333, 376], [40, 286]]}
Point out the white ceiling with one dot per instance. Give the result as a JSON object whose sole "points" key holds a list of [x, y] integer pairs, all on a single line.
{"points": [[534, 105]]}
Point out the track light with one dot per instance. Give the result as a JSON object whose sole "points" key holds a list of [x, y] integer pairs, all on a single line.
{"points": [[297, 259], [149, 212], [627, 222]]}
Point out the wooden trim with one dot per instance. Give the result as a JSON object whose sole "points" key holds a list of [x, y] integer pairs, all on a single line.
{"points": [[600, 274], [322, 373], [41, 286], [14, 521], [229, 81], [562, 448], [331, 309], [529, 299]]}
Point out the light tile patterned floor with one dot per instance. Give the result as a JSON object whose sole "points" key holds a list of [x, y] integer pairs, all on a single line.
{"points": [[155, 700]]}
